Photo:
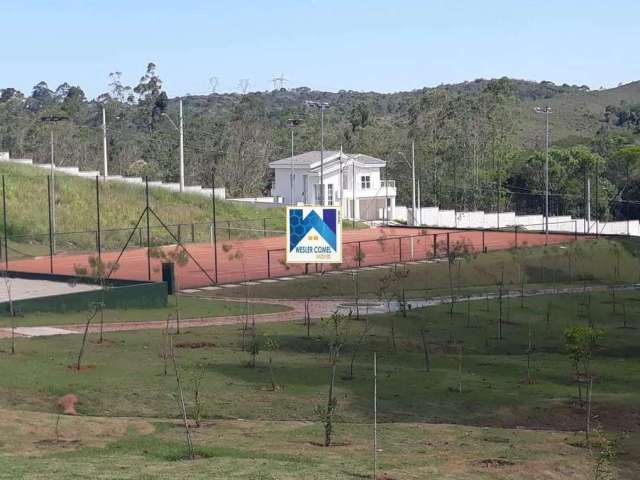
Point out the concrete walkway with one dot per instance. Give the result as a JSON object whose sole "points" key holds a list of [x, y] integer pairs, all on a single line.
{"points": [[317, 308]]}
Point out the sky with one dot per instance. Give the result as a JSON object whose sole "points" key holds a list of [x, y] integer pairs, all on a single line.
{"points": [[332, 45]]}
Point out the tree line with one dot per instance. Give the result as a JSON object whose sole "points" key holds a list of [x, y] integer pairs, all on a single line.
{"points": [[476, 148]]}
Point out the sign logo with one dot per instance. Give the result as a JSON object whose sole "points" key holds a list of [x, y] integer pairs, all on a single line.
{"points": [[314, 235]]}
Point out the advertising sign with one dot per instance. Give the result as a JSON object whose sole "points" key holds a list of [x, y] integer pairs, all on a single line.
{"points": [[314, 235]]}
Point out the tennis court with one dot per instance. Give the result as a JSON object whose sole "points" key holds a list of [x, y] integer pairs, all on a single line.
{"points": [[256, 259]]}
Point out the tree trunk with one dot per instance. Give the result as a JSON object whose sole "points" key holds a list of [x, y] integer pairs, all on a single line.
{"points": [[425, 349], [331, 404]]}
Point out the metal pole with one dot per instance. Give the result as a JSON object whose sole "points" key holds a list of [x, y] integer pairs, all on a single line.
{"points": [[353, 181], [419, 206], [386, 194], [322, 154], [52, 195], [50, 226], [181, 149], [98, 233], [588, 229], [340, 179], [4, 221], [413, 180], [268, 263], [215, 238], [375, 415], [291, 179], [597, 204], [105, 171], [146, 196], [546, 178]]}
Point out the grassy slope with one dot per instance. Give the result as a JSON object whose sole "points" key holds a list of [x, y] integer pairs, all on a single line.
{"points": [[121, 206], [190, 307], [595, 261], [128, 381]]}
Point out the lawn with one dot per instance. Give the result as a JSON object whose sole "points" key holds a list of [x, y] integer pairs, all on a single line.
{"points": [[190, 307], [241, 449], [125, 378]]}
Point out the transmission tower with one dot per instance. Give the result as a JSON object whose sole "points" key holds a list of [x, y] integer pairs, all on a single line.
{"points": [[243, 85], [213, 84], [278, 82]]}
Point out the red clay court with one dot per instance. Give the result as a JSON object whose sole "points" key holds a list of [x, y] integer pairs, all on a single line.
{"points": [[256, 259]]}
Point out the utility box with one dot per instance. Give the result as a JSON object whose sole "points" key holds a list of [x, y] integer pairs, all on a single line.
{"points": [[169, 277]]}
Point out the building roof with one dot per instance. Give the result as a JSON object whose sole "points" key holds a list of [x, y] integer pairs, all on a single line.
{"points": [[306, 158], [313, 157]]}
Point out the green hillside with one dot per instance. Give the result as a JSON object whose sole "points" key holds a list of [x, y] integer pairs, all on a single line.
{"points": [[121, 207], [470, 138]]}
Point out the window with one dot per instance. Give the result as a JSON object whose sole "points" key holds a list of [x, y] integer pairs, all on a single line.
{"points": [[330, 194], [365, 182], [388, 202], [345, 181]]}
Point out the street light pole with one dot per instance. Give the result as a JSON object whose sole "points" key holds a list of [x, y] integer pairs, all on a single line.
{"points": [[51, 119], [292, 122], [181, 149], [322, 106], [546, 110], [181, 132], [104, 142], [413, 180]]}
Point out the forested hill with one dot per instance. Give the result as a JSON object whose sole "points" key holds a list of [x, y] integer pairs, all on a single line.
{"points": [[475, 140]]}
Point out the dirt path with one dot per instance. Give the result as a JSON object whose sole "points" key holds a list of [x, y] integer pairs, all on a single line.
{"points": [[317, 309]]}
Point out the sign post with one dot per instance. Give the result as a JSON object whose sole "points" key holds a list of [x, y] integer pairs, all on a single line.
{"points": [[314, 235]]}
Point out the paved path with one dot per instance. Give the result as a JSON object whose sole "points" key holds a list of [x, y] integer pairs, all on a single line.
{"points": [[317, 309]]}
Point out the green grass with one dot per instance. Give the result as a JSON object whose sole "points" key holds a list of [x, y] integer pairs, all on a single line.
{"points": [[289, 450], [589, 261], [190, 307], [125, 379]]}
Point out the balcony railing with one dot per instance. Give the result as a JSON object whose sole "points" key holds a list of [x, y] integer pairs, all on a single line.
{"points": [[388, 183]]}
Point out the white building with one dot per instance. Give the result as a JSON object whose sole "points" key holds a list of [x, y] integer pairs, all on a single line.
{"points": [[352, 181]]}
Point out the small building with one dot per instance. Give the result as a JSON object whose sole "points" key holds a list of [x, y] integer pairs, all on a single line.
{"points": [[355, 182]]}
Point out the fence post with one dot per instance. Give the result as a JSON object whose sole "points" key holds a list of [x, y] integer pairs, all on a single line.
{"points": [[193, 232], [146, 199], [50, 224], [400, 249], [575, 230], [98, 233], [435, 245], [229, 229], [268, 263], [140, 236], [264, 227], [179, 233], [448, 244], [359, 255], [4, 220], [515, 229], [213, 227], [484, 248]]}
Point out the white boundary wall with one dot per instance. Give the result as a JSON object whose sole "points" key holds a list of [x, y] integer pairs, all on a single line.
{"points": [[434, 217]]}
